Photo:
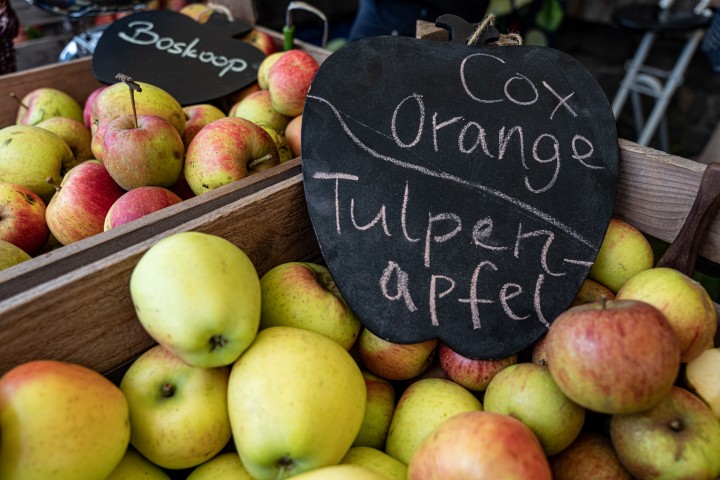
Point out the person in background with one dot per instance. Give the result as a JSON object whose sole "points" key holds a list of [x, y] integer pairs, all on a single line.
{"points": [[9, 25], [399, 17]]}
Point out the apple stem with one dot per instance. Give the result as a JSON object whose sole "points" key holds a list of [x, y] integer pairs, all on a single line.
{"points": [[254, 163], [603, 301], [133, 86], [54, 183], [285, 466], [168, 390], [14, 95]]}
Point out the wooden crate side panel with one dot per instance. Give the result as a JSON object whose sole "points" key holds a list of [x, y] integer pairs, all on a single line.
{"points": [[87, 316]]}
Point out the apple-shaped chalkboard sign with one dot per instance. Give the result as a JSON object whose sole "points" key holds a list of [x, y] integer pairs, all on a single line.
{"points": [[458, 192], [194, 62]]}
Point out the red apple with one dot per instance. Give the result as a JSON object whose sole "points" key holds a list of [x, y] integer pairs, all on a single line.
{"points": [[293, 135], [149, 153], [394, 361], [197, 117], [616, 356], [477, 446], [87, 108], [260, 40], [137, 203], [590, 456], [289, 79], [677, 438], [80, 205], [22, 218], [471, 373], [228, 150]]}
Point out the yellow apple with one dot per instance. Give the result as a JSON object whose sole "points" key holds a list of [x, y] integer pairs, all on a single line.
{"points": [[591, 291], [198, 295], [423, 406], [624, 252], [178, 413], [379, 409], [296, 400], [377, 461], [224, 466], [684, 302], [135, 466], [341, 472], [60, 420], [702, 375], [11, 255]]}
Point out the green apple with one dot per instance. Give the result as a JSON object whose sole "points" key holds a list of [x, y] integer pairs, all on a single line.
{"points": [[677, 438], [46, 102], [304, 295], [178, 413], [199, 296], [296, 402], [590, 456], [264, 68], [74, 133], [684, 302], [114, 101], [702, 376], [423, 406], [624, 252], [257, 107], [528, 392], [480, 445], [377, 461], [341, 472], [473, 374], [30, 155], [11, 255], [281, 144], [379, 409], [223, 466], [134, 466], [395, 361], [591, 291], [60, 420], [615, 356]]}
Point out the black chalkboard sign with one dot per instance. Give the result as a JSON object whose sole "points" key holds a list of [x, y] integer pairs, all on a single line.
{"points": [[194, 62], [458, 192]]}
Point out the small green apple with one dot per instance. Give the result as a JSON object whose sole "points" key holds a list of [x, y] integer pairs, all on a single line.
{"points": [[135, 466], [624, 252], [684, 302], [304, 295], [30, 155], [60, 420], [199, 296], [377, 461], [11, 255], [178, 413], [379, 409], [257, 107], [296, 402], [74, 133], [341, 472], [264, 68], [677, 438], [223, 466], [423, 406], [528, 392], [281, 144]]}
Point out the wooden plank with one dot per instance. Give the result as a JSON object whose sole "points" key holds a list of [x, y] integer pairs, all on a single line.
{"points": [[86, 315]]}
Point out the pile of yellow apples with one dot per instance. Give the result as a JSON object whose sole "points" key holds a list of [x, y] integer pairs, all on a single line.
{"points": [[273, 376], [70, 171]]}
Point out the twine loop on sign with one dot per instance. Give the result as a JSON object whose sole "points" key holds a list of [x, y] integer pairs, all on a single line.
{"points": [[502, 41]]}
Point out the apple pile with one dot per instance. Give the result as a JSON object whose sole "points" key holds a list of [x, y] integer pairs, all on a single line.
{"points": [[68, 172], [273, 376]]}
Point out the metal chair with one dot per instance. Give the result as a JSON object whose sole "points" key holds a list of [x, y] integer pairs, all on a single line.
{"points": [[654, 20]]}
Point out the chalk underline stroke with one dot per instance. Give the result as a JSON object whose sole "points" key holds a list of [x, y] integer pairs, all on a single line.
{"points": [[452, 178]]}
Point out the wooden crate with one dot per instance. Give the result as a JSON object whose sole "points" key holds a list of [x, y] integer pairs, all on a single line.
{"points": [[74, 303]]}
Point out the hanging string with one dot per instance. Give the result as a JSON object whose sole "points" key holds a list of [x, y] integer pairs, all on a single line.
{"points": [[504, 40]]}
